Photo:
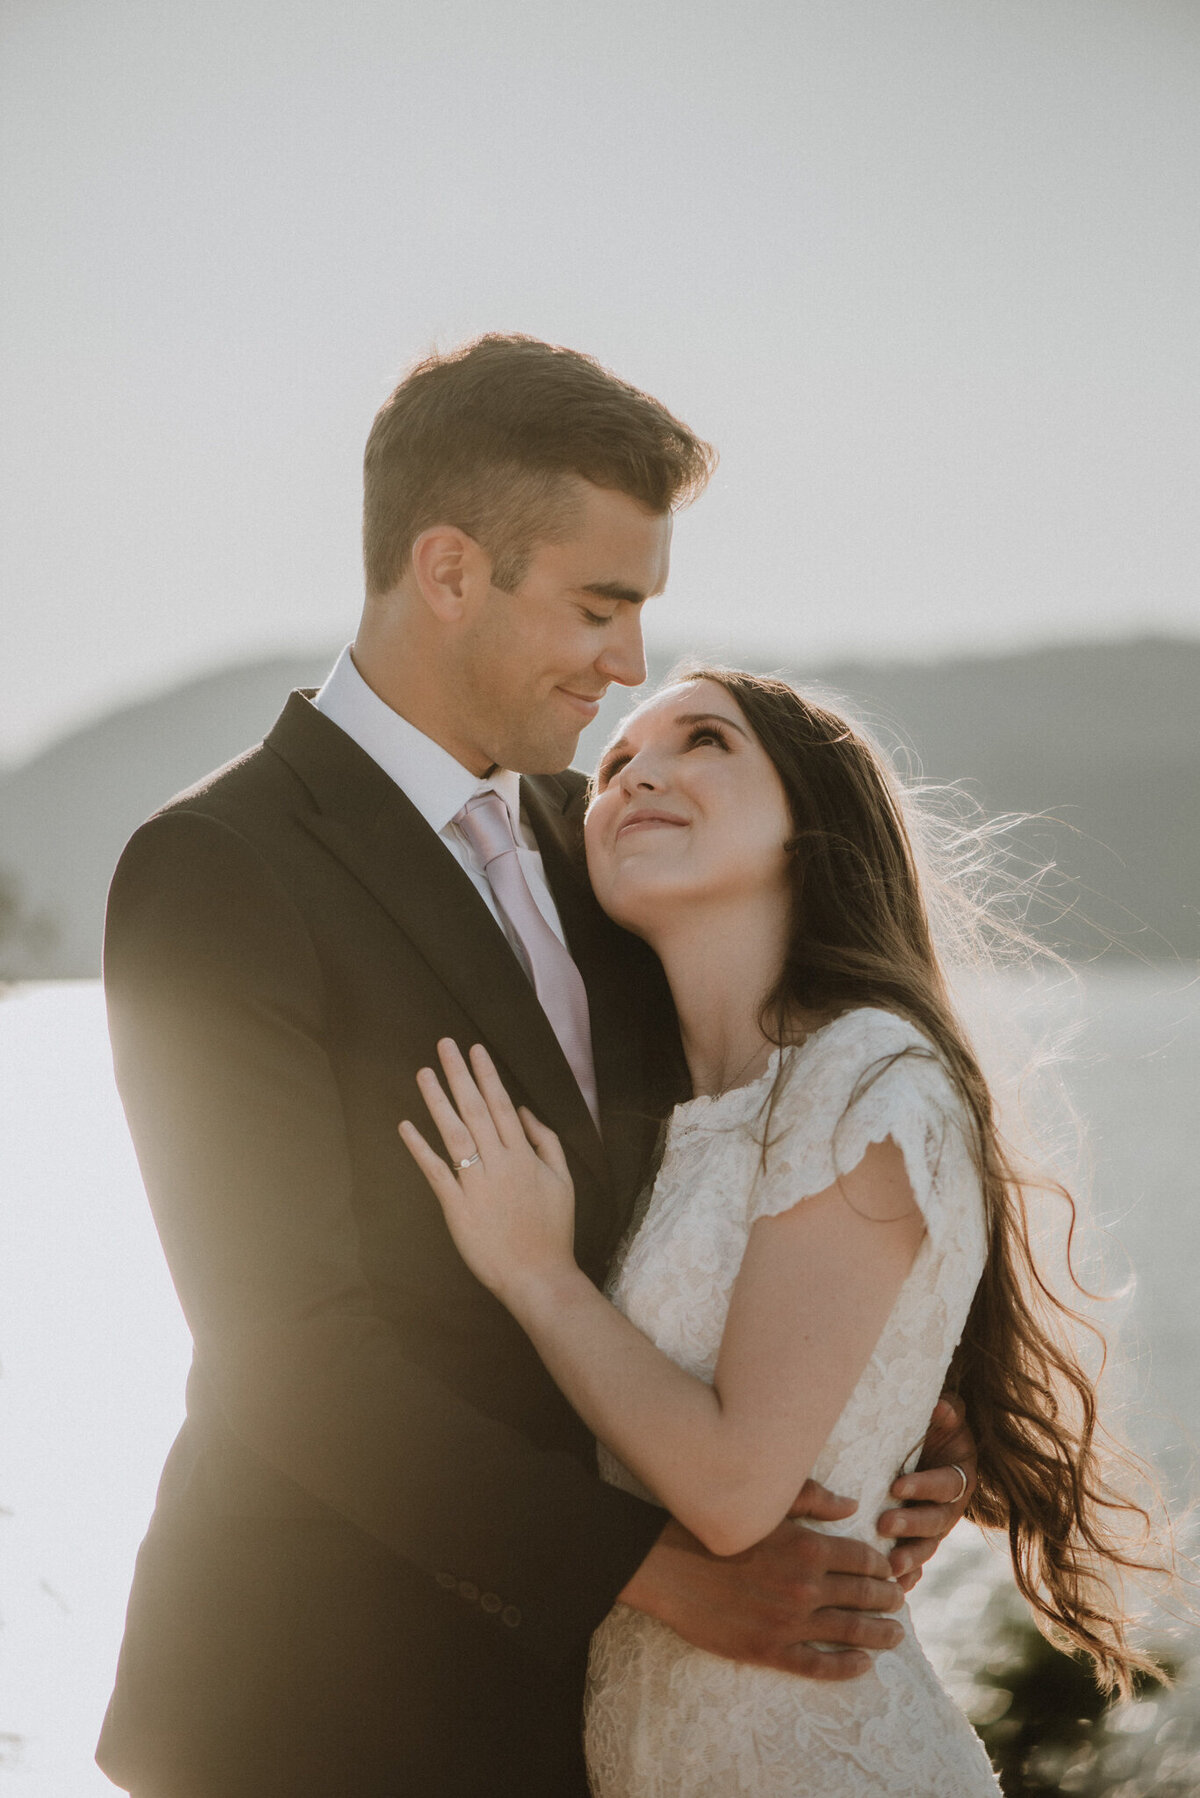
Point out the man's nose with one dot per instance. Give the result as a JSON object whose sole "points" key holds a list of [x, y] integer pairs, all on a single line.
{"points": [[623, 658]]}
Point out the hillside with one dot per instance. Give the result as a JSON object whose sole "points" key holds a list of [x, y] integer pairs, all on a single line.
{"points": [[1103, 738], [66, 813]]}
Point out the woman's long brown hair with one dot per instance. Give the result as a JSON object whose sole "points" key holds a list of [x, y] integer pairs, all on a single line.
{"points": [[861, 935]]}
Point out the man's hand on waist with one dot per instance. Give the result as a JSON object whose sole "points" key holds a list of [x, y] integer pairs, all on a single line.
{"points": [[769, 1605], [934, 1498]]}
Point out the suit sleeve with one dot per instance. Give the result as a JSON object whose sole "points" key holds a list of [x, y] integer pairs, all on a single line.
{"points": [[218, 1019]]}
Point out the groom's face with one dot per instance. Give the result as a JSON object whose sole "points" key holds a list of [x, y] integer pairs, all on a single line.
{"points": [[535, 663]]}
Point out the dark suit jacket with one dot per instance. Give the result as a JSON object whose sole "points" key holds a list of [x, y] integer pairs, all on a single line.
{"points": [[380, 1544]]}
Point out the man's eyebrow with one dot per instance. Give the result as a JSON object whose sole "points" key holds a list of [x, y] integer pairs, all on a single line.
{"points": [[613, 590]]}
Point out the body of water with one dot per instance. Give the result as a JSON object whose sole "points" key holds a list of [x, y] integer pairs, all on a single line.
{"points": [[94, 1352]]}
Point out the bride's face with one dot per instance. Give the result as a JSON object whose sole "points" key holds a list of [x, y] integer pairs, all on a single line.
{"points": [[688, 811]]}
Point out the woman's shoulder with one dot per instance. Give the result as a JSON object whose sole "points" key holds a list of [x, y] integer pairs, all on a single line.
{"points": [[868, 1075], [865, 1038], [867, 1059], [808, 1084]]}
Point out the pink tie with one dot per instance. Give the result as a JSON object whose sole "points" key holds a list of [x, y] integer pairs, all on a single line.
{"points": [[487, 825]]}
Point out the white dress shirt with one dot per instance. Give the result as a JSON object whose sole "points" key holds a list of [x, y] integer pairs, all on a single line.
{"points": [[436, 784]]}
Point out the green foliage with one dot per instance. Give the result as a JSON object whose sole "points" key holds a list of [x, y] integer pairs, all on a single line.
{"points": [[1048, 1729], [1046, 1726]]}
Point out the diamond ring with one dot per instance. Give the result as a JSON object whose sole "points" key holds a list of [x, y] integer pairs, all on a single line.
{"points": [[472, 1159]]}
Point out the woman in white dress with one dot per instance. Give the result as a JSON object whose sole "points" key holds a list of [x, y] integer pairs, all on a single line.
{"points": [[833, 1236]]}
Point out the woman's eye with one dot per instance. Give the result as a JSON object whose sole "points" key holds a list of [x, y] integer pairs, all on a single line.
{"points": [[607, 770], [706, 733]]}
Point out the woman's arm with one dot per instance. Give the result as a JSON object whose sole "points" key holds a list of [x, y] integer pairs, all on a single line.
{"points": [[814, 1291]]}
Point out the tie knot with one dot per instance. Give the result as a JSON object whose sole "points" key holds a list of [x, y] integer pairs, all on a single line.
{"points": [[486, 823]]}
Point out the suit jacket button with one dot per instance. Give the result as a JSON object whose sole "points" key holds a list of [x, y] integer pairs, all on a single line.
{"points": [[491, 1603], [510, 1615], [448, 1581], [469, 1590]]}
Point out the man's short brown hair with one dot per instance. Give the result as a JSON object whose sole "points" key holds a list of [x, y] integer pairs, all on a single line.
{"points": [[487, 438]]}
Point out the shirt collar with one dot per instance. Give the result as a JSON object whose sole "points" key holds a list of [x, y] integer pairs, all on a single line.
{"points": [[437, 784]]}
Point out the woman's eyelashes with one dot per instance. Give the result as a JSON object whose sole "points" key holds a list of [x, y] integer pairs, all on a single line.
{"points": [[710, 733], [608, 768], [696, 736]]}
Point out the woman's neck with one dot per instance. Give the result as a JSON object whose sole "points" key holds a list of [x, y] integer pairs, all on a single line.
{"points": [[720, 968]]}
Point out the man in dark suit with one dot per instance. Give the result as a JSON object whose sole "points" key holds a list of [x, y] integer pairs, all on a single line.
{"points": [[380, 1544]]}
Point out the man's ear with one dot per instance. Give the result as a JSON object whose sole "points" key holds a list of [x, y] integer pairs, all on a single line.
{"points": [[450, 571]]}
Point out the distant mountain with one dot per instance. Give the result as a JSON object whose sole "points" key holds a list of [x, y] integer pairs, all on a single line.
{"points": [[1104, 739], [66, 813]]}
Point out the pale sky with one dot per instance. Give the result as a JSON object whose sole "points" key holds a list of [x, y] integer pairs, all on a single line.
{"points": [[926, 271]]}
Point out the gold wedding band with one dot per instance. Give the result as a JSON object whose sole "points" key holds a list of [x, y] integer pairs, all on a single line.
{"points": [[962, 1476], [472, 1159]]}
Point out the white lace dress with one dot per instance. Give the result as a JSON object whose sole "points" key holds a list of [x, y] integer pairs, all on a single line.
{"points": [[663, 1719]]}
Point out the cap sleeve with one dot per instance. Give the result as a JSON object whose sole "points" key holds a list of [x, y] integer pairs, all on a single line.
{"points": [[868, 1076]]}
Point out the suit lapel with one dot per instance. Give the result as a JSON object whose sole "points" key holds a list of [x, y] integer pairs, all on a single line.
{"points": [[376, 833]]}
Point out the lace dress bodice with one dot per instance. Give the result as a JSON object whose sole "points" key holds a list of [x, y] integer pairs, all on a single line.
{"points": [[665, 1720]]}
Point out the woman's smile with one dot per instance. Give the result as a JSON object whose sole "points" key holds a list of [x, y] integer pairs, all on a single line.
{"points": [[649, 820]]}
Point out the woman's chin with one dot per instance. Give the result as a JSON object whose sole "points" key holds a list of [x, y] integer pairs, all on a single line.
{"points": [[640, 907], [629, 917]]}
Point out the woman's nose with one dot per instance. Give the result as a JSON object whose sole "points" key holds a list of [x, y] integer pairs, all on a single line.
{"points": [[641, 773]]}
